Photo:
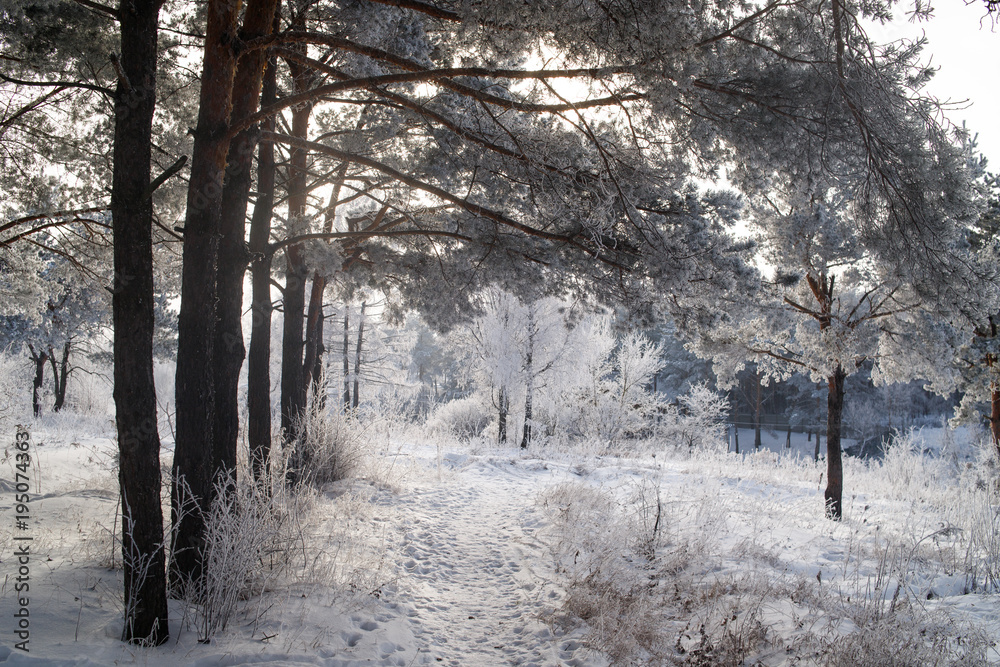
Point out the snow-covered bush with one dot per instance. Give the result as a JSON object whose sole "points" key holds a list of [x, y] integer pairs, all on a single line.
{"points": [[249, 536], [332, 446], [603, 549], [14, 388], [465, 418], [610, 397], [701, 423]]}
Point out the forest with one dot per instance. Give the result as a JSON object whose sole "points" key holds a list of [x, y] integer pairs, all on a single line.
{"points": [[493, 332]]}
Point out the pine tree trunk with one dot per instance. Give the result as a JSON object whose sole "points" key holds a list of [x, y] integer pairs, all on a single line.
{"points": [[195, 381], [347, 359], [318, 386], [40, 359], [229, 351], [293, 387], [259, 356], [294, 295], [835, 468], [357, 356], [314, 335], [145, 590], [314, 316], [995, 418]]}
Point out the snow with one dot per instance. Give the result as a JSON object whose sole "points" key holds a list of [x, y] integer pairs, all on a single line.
{"points": [[483, 555]]}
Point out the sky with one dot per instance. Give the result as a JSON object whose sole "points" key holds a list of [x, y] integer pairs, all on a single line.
{"points": [[964, 45]]}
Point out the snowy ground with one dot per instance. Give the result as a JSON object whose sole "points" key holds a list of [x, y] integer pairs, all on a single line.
{"points": [[489, 556]]}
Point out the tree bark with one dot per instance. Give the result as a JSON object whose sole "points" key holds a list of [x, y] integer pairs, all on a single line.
{"points": [[40, 359], [756, 413], [294, 294], [529, 378], [995, 417], [143, 554], [60, 371], [502, 416], [293, 387], [229, 351], [318, 386], [347, 360], [195, 380], [357, 356], [259, 356], [834, 465], [736, 426], [314, 317]]}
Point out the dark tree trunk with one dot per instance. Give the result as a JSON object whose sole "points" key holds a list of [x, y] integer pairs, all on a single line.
{"points": [[816, 453], [834, 465], [195, 384], [139, 479], [756, 413], [294, 294], [259, 356], [314, 318], [229, 351], [347, 358], [318, 386], [995, 418], [357, 356], [40, 359], [60, 371], [526, 436], [503, 408], [736, 426], [314, 335]]}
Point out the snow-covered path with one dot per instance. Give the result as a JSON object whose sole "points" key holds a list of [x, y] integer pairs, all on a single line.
{"points": [[476, 574]]}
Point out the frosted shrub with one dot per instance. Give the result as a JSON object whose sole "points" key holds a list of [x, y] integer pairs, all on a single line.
{"points": [[465, 418], [332, 446], [246, 537], [15, 383], [605, 549], [903, 640], [252, 532], [701, 423], [908, 472], [90, 393]]}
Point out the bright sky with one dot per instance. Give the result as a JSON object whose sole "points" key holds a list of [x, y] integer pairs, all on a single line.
{"points": [[964, 45]]}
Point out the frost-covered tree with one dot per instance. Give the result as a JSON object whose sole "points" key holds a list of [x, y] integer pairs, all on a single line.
{"points": [[494, 340], [976, 367], [609, 384], [50, 306], [839, 298]]}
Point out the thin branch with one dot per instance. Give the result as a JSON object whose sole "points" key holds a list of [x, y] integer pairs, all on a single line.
{"points": [[475, 209], [55, 214], [30, 106], [64, 84], [422, 7], [162, 178], [98, 7]]}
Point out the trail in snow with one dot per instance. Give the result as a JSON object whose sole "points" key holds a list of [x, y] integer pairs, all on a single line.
{"points": [[476, 577]]}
